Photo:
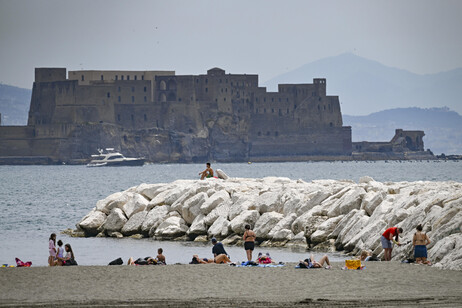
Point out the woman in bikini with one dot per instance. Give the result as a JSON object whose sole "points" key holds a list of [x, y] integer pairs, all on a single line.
{"points": [[420, 242], [249, 242]]}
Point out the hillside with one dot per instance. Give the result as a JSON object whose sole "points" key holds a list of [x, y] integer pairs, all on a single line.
{"points": [[14, 105], [442, 126], [366, 86]]}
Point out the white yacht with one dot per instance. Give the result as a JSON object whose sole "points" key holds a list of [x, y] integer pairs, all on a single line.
{"points": [[109, 158]]}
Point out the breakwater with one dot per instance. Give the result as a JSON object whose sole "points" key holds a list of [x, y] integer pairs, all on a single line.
{"points": [[321, 214]]}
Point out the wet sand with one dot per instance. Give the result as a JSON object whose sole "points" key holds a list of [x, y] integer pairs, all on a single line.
{"points": [[384, 284]]}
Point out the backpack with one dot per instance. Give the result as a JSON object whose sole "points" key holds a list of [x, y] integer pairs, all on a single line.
{"points": [[117, 261]]}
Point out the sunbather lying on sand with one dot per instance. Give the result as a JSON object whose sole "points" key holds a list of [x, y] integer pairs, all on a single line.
{"points": [[197, 260], [311, 262]]}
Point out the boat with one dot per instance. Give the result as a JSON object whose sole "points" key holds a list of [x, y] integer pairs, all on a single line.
{"points": [[111, 158]]}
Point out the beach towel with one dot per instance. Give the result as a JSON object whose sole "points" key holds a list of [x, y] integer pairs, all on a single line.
{"points": [[19, 263], [243, 264]]}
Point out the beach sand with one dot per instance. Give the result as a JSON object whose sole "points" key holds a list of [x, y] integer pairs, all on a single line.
{"points": [[384, 284]]}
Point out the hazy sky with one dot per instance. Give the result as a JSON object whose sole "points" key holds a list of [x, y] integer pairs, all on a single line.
{"points": [[262, 37]]}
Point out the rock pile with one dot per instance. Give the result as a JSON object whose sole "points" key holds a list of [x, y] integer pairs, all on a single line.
{"points": [[323, 214]]}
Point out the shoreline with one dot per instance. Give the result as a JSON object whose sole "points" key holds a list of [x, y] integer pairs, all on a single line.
{"points": [[390, 284]]}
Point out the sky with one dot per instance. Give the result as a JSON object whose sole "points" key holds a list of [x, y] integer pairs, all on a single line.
{"points": [[267, 38]]}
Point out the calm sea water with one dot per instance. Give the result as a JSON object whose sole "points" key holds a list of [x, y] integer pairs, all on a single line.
{"points": [[38, 200]]}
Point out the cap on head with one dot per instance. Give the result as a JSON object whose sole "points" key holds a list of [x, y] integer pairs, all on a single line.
{"points": [[214, 240]]}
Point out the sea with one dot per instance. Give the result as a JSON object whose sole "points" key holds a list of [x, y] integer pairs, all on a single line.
{"points": [[36, 201]]}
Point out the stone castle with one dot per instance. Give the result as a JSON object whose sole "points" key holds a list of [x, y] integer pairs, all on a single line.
{"points": [[176, 118]]}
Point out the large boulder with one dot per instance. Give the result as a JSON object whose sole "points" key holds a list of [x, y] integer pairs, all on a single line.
{"points": [[283, 235], [171, 228], [91, 223], [213, 201], [247, 217], [116, 200], [220, 228], [154, 218], [324, 229], [150, 190], [133, 225], [115, 221], [136, 204], [191, 207], [221, 210], [269, 202], [284, 223], [371, 200], [266, 223], [349, 201], [198, 226]]}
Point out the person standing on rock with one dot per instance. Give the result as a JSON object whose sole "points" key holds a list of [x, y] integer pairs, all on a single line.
{"points": [[420, 242], [387, 238], [207, 173], [249, 241]]}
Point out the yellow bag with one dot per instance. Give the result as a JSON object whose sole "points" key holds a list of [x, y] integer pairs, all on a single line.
{"points": [[353, 264]]}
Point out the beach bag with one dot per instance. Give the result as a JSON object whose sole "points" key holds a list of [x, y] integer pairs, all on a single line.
{"points": [[353, 264], [117, 261]]}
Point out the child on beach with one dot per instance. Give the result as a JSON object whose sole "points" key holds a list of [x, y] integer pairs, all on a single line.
{"points": [[52, 249], [59, 253], [160, 257]]}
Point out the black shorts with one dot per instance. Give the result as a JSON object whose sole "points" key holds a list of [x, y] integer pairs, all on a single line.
{"points": [[249, 245]]}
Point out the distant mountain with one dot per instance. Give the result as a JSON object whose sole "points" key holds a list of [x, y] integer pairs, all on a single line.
{"points": [[442, 127], [14, 105], [365, 86]]}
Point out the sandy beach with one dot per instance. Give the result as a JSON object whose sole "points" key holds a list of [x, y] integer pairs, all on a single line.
{"points": [[385, 284]]}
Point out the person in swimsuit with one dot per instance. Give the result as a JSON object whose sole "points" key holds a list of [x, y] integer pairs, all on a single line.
{"points": [[197, 260], [249, 241], [160, 257], [219, 253], [311, 262], [420, 242], [207, 173], [387, 238], [52, 249]]}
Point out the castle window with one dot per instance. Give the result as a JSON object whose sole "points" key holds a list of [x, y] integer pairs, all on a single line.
{"points": [[163, 86], [83, 78], [268, 133], [287, 110], [264, 110], [280, 112], [133, 99], [133, 89], [216, 100], [295, 106], [264, 99], [272, 110], [256, 99], [224, 99], [102, 77], [145, 118], [135, 77], [272, 99], [331, 124], [226, 80], [163, 98], [206, 89], [122, 77], [279, 99], [128, 77], [108, 94], [287, 99], [118, 89], [324, 107], [197, 80], [133, 117], [220, 80], [259, 134], [206, 80], [144, 89], [117, 77], [256, 110], [226, 90], [276, 134], [179, 99], [118, 117], [221, 90], [231, 83], [142, 77], [319, 107], [145, 99], [118, 98]]}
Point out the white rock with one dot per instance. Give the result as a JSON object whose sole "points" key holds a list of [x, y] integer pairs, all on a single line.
{"points": [[191, 207], [220, 228], [136, 204], [198, 226], [117, 201], [213, 201], [283, 234], [115, 221], [172, 227], [150, 190], [133, 225], [246, 217], [284, 223], [266, 223], [349, 201], [101, 204], [221, 210], [92, 222], [371, 200], [322, 232], [269, 202], [154, 218], [365, 179]]}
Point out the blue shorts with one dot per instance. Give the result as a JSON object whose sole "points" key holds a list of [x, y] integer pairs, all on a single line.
{"points": [[385, 243], [420, 251]]}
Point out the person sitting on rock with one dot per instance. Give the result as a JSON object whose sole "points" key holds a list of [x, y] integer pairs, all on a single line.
{"points": [[311, 262], [420, 242], [387, 238], [207, 173]]}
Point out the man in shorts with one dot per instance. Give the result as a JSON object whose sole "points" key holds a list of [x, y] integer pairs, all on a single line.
{"points": [[387, 238], [207, 173]]}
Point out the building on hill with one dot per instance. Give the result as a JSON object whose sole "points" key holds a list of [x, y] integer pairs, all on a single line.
{"points": [[177, 118]]}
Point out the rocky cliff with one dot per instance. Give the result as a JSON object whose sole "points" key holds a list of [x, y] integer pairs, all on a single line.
{"points": [[323, 214]]}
